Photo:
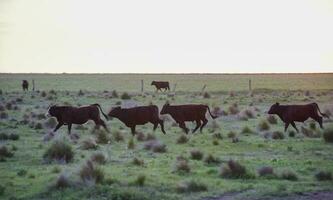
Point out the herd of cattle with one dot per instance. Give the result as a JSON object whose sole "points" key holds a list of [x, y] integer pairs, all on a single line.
{"points": [[131, 117]]}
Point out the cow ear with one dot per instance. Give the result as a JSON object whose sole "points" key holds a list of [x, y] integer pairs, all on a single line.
{"points": [[277, 103]]}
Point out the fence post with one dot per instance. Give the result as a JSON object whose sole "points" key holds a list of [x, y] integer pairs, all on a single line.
{"points": [[142, 86], [203, 89], [250, 85], [33, 85], [174, 87]]}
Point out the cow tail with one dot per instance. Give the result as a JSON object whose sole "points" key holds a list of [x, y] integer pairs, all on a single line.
{"points": [[323, 114], [99, 106], [213, 116]]}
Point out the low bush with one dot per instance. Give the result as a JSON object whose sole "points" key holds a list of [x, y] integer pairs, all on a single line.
{"points": [[140, 180], [182, 165], [246, 130], [155, 146], [90, 174], [13, 136], [328, 134], [323, 176], [140, 136], [102, 137], [137, 161], [182, 139], [59, 150], [5, 153], [206, 95], [196, 154], [191, 186], [271, 119], [231, 134], [50, 122], [263, 126], [277, 135], [210, 159], [233, 169], [125, 96], [266, 171], [89, 143], [130, 144], [99, 158], [118, 136], [115, 94], [62, 181], [289, 175]]}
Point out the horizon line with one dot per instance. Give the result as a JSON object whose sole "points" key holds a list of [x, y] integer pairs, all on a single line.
{"points": [[168, 73]]}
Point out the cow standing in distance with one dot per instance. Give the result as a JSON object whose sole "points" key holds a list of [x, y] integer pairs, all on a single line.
{"points": [[290, 114], [161, 85], [188, 112], [139, 115], [68, 115], [25, 85]]}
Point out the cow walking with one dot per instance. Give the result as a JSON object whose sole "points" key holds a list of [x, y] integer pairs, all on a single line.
{"points": [[161, 85], [25, 85], [137, 116], [290, 114], [68, 115], [189, 112]]}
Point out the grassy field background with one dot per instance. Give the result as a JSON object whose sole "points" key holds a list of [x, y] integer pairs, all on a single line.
{"points": [[26, 175], [185, 82]]}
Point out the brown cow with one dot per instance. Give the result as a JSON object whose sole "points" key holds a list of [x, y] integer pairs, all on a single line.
{"points": [[189, 112], [161, 85], [290, 114], [137, 116], [25, 85], [68, 115]]}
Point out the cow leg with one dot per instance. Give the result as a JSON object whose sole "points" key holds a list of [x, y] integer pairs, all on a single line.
{"points": [[294, 125], [319, 119], [155, 126], [69, 128], [133, 130], [58, 126], [204, 122], [162, 125], [286, 126], [198, 125], [183, 126]]}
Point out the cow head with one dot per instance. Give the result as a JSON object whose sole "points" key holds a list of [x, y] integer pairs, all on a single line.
{"points": [[165, 109], [274, 109], [152, 83], [51, 112], [115, 112]]}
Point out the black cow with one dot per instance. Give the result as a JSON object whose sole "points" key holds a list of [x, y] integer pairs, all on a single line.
{"points": [[25, 85], [137, 116], [161, 85], [68, 115], [290, 114]]}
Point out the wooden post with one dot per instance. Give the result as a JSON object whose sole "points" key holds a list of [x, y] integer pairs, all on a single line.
{"points": [[141, 85], [33, 85], [203, 89], [250, 85], [174, 88]]}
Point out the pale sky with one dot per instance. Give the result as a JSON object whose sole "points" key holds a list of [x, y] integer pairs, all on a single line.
{"points": [[153, 36]]}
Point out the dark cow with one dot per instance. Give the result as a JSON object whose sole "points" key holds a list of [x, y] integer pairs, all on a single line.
{"points": [[137, 116], [25, 85], [68, 115], [290, 114], [190, 112], [161, 85]]}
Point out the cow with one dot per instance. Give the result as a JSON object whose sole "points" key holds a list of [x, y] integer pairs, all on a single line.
{"points": [[25, 85], [161, 85], [68, 115], [290, 114], [188, 112], [137, 116]]}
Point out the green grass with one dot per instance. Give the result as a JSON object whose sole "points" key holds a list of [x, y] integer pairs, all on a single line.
{"points": [[306, 157]]}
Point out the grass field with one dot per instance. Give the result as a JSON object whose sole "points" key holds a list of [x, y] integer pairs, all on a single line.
{"points": [[169, 173]]}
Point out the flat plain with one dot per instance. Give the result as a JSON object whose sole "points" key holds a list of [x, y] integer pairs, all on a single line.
{"points": [[269, 163]]}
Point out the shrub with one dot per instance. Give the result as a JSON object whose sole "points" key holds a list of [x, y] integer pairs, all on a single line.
{"points": [[38, 126], [115, 94], [191, 186], [140, 136], [234, 170], [271, 119], [218, 136], [89, 143], [233, 109], [102, 137], [235, 140], [2, 190], [312, 126], [263, 126], [246, 129], [80, 93], [289, 175], [62, 182], [266, 171], [182, 166], [231, 134], [13, 136], [3, 136], [215, 142], [43, 94], [323, 176], [277, 135], [150, 136], [182, 139], [292, 133], [210, 159], [137, 161], [140, 180], [117, 135], [3, 115], [4, 152], [9, 106], [91, 174], [130, 144], [125, 96], [328, 134], [196, 154], [206, 95], [99, 158], [59, 151], [56, 169], [50, 122], [155, 146], [22, 172]]}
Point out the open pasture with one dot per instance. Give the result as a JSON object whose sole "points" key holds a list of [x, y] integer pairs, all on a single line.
{"points": [[243, 154]]}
